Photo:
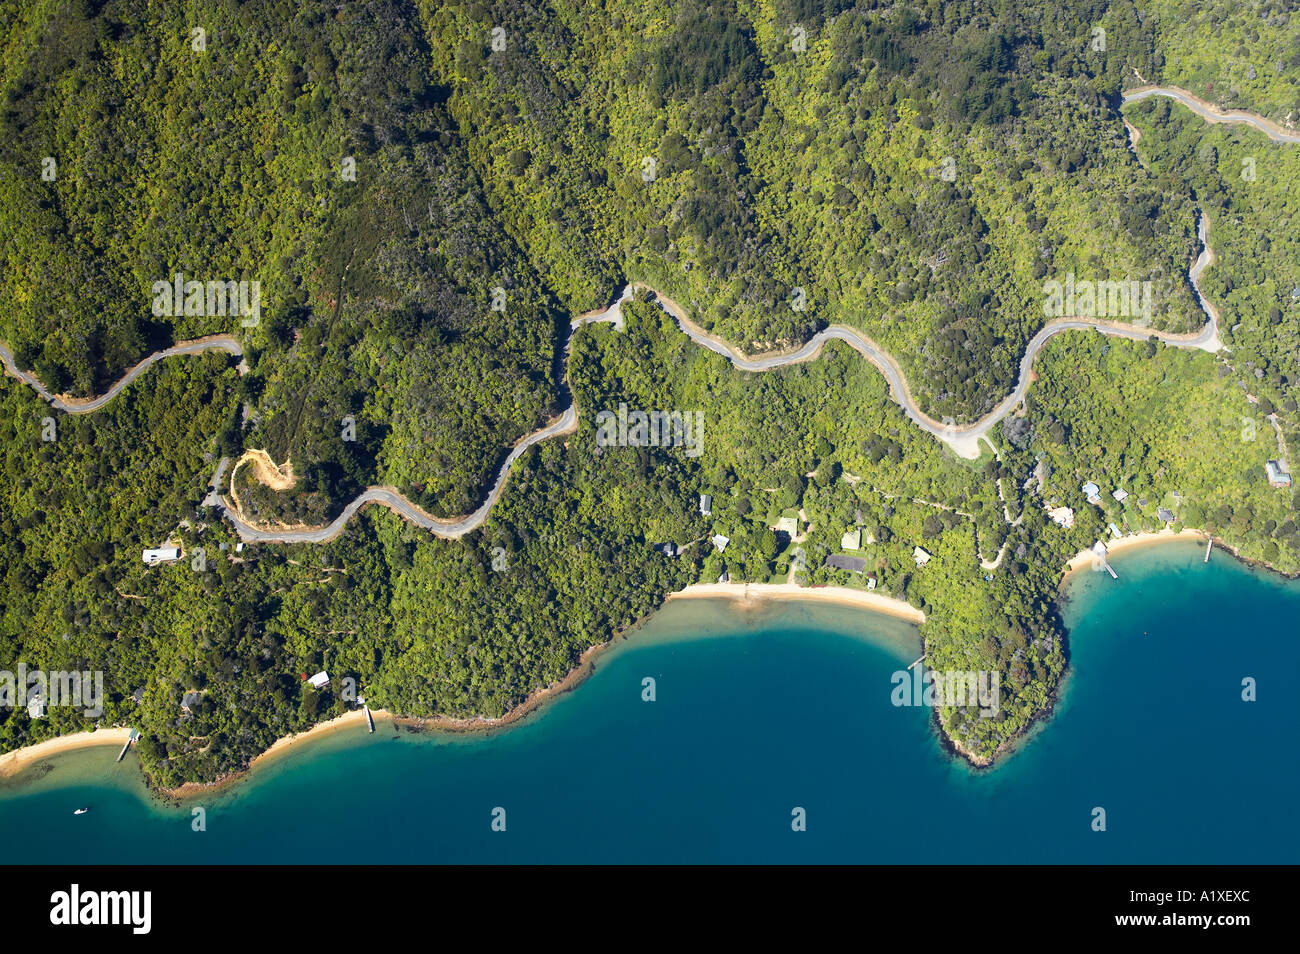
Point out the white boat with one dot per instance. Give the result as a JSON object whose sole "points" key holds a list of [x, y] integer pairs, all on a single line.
{"points": [[81, 811]]}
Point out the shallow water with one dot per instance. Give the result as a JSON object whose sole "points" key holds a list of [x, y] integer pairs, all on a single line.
{"points": [[759, 712]]}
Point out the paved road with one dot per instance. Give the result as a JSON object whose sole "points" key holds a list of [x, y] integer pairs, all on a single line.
{"points": [[964, 440], [391, 498], [1211, 113], [86, 405]]}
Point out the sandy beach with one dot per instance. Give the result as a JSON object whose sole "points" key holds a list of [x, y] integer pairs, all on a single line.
{"points": [[843, 595], [355, 718], [11, 763], [745, 593], [752, 593], [1083, 559]]}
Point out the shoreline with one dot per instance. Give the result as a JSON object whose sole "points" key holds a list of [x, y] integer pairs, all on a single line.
{"points": [[278, 748], [745, 595], [1136, 541], [1076, 564], [752, 594], [415, 724], [12, 763]]}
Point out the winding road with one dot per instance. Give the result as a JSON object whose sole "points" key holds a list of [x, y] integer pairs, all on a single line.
{"points": [[964, 440], [73, 405], [1212, 114]]}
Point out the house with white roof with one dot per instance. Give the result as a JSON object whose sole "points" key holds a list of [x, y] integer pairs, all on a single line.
{"points": [[1061, 516], [320, 680], [920, 556], [161, 555]]}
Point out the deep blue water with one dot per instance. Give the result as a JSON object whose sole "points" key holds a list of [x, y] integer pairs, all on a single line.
{"points": [[763, 711]]}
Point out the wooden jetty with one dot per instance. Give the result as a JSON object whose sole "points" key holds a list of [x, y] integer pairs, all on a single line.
{"points": [[129, 739]]}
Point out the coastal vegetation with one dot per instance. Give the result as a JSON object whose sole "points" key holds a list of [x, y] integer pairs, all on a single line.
{"points": [[916, 171]]}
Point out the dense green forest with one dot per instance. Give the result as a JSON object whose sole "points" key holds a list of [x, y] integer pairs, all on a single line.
{"points": [[428, 192]]}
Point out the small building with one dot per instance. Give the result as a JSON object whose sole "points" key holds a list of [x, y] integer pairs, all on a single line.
{"points": [[851, 540], [788, 526], [191, 699], [1115, 531], [920, 556], [723, 577], [1165, 515], [1061, 516], [706, 505], [1277, 473], [720, 542], [667, 549], [871, 582], [320, 680], [840, 561], [1295, 293], [1099, 549], [36, 706], [1119, 494], [1093, 493], [161, 555]]}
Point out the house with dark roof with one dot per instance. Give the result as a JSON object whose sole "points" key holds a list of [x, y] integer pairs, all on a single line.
{"points": [[840, 561], [1165, 515]]}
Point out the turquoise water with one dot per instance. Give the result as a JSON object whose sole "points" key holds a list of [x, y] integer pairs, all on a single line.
{"points": [[782, 707]]}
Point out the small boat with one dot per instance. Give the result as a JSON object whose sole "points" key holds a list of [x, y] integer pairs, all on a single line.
{"points": [[81, 811]]}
